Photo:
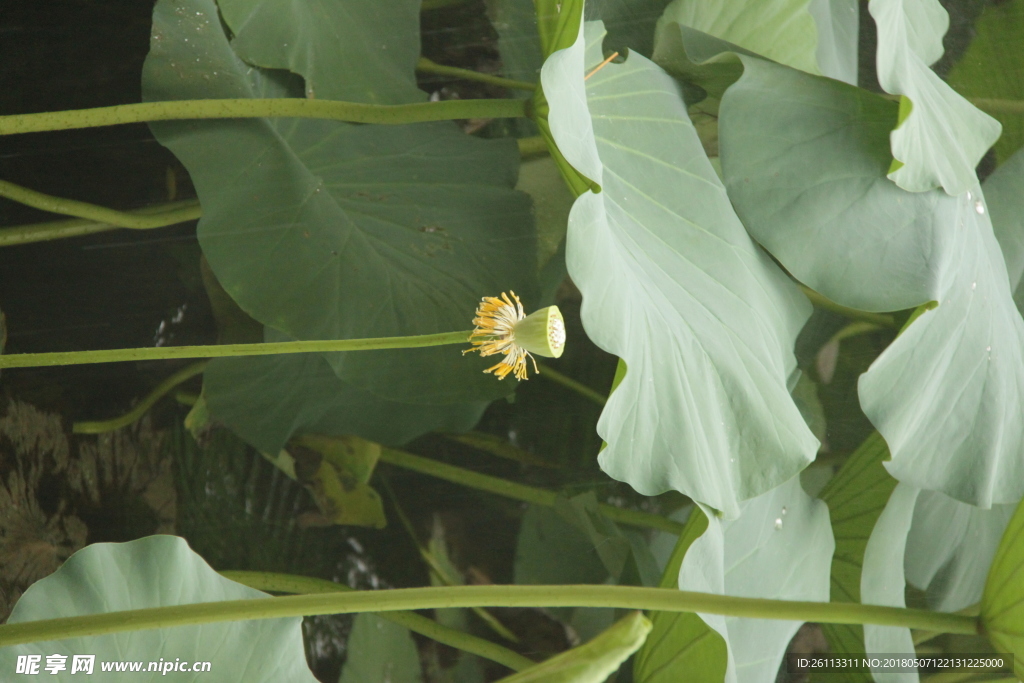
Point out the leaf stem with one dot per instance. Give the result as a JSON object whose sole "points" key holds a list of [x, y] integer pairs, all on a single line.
{"points": [[996, 106], [821, 301], [569, 383], [532, 147], [92, 212], [157, 216], [427, 66], [352, 112], [290, 583], [619, 597], [510, 489], [37, 360], [437, 569], [103, 426]]}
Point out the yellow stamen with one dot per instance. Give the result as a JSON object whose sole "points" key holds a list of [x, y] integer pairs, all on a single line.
{"points": [[495, 333], [601, 65]]}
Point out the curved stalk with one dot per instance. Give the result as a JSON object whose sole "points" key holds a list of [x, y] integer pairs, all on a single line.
{"points": [[569, 383], [103, 426], [92, 212], [427, 66], [39, 360], [352, 112], [821, 301], [290, 583], [532, 147], [511, 489], [618, 597], [158, 216]]}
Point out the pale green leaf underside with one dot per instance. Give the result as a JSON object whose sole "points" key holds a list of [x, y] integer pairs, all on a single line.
{"points": [[321, 39], [805, 159], [1002, 603], [673, 285], [838, 24], [812, 188], [950, 549], [780, 548], [593, 661], [946, 394], [882, 581], [781, 30], [380, 651], [945, 136], [324, 230], [856, 497], [159, 571]]}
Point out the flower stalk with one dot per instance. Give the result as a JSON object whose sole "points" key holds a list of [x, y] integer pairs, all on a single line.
{"points": [[38, 360]]}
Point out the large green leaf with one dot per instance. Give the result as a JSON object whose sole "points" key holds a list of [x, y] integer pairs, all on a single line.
{"points": [[329, 230], [950, 549], [380, 651], [781, 30], [882, 581], [1002, 603], [158, 571], [780, 547], [804, 160], [944, 137], [838, 24], [945, 393], [674, 286], [267, 399], [344, 50], [701, 42], [593, 661]]}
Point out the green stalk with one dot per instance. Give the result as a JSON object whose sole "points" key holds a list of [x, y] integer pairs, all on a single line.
{"points": [[509, 489], [38, 360], [569, 383], [438, 570], [427, 66], [157, 216], [103, 426], [351, 112], [532, 147], [289, 583], [446, 597], [986, 104], [821, 301], [92, 212], [994, 106]]}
